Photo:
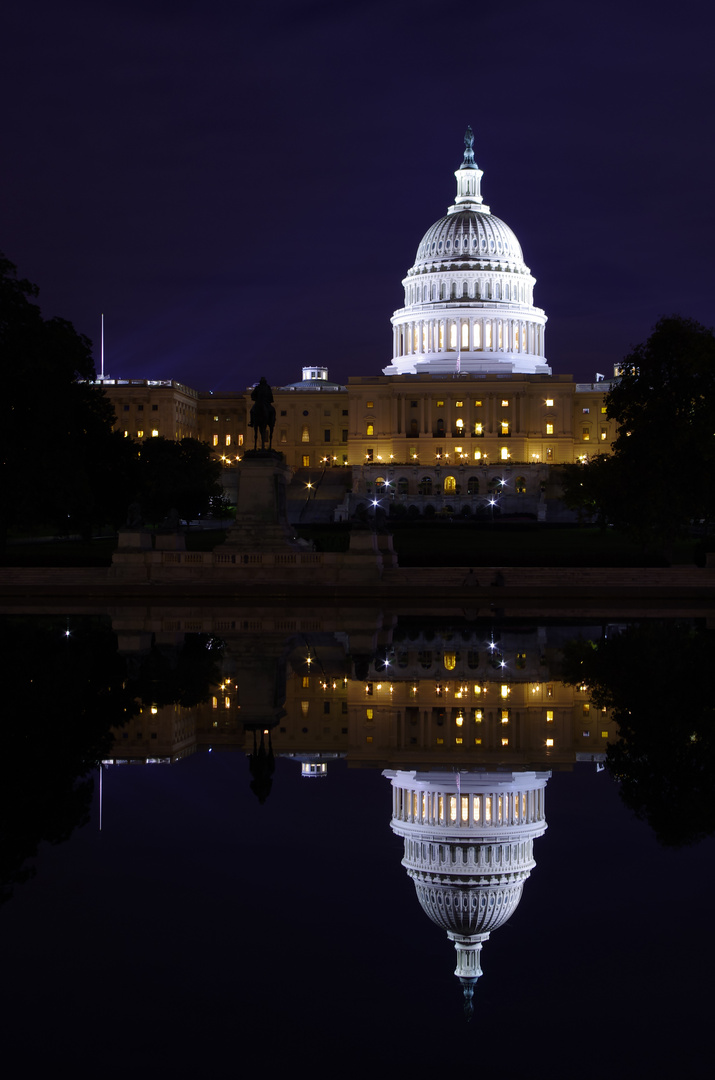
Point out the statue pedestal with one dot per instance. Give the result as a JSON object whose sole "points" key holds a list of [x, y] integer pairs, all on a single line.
{"points": [[261, 520]]}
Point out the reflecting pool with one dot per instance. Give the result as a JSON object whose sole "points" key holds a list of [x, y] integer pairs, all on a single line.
{"points": [[256, 839]]}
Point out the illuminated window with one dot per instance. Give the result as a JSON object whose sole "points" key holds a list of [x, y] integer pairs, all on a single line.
{"points": [[450, 661], [305, 433], [284, 435], [505, 742], [368, 738], [505, 427], [604, 434], [586, 435], [126, 434], [505, 402], [478, 716], [440, 404], [306, 682], [453, 336], [460, 425], [549, 691], [369, 714], [240, 440], [370, 429], [488, 808], [505, 716], [450, 483], [452, 807], [549, 403], [477, 742], [604, 410], [370, 404], [586, 734], [228, 440], [504, 690], [154, 433], [304, 706], [214, 702], [587, 411], [604, 734], [306, 461], [215, 440], [215, 419], [520, 489], [549, 429], [459, 404], [549, 742], [504, 453], [549, 716], [586, 707], [459, 741], [140, 434], [227, 702], [479, 429]]}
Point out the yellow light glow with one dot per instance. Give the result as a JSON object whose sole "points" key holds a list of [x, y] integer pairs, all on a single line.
{"points": [[549, 742]]}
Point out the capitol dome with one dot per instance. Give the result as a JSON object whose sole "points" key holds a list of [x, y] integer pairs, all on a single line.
{"points": [[469, 294], [469, 848]]}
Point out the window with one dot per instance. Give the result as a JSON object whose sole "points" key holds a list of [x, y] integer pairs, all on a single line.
{"points": [[505, 742], [402, 485], [306, 682], [587, 410], [586, 435], [140, 408], [140, 434], [304, 706], [154, 433], [326, 435], [344, 435], [477, 404], [305, 433], [549, 716], [370, 430], [450, 483], [370, 404], [369, 453], [379, 484], [215, 440], [603, 410], [505, 427], [504, 453], [473, 485], [440, 404], [549, 403], [549, 429], [345, 412], [549, 742], [459, 404], [425, 486], [369, 714], [604, 734], [413, 404], [228, 440], [306, 461], [460, 425], [505, 403], [284, 435], [215, 419], [126, 408], [284, 412], [155, 408], [240, 440], [604, 434], [520, 485]]}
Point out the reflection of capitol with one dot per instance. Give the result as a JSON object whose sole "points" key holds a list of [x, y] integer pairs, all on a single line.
{"points": [[469, 840]]}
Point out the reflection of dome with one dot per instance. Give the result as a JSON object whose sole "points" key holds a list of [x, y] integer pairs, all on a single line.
{"points": [[469, 849], [469, 295]]}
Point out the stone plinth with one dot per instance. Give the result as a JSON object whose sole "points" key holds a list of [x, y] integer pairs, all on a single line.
{"points": [[261, 519]]}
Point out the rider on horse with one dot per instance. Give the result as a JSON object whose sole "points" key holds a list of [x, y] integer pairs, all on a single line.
{"points": [[263, 413]]}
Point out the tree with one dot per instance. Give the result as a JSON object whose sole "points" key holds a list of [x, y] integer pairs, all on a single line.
{"points": [[660, 478], [659, 680], [181, 475], [58, 456]]}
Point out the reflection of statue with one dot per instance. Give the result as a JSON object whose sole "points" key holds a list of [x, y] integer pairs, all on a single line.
{"points": [[469, 849], [262, 765], [263, 413]]}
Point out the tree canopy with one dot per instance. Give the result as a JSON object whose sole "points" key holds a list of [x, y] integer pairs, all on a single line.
{"points": [[60, 462], [659, 477]]}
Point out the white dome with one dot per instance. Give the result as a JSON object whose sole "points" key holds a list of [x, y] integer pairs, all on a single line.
{"points": [[469, 239], [469, 295]]}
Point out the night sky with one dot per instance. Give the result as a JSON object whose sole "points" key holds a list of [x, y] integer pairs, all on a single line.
{"points": [[241, 191]]}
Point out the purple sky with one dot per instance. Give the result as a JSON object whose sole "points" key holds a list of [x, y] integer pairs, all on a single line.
{"points": [[242, 193]]}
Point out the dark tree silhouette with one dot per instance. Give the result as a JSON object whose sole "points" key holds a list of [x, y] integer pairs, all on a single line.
{"points": [[659, 680]]}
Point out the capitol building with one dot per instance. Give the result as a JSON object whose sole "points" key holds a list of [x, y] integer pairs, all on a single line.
{"points": [[466, 407]]}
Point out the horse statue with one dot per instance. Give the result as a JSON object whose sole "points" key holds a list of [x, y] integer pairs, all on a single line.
{"points": [[263, 414]]}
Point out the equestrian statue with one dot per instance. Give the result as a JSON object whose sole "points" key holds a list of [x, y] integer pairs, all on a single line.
{"points": [[263, 414]]}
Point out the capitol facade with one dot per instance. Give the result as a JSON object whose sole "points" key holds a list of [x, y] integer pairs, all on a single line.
{"points": [[467, 407]]}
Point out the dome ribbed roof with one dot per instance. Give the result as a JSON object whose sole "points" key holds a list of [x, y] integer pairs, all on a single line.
{"points": [[465, 237]]}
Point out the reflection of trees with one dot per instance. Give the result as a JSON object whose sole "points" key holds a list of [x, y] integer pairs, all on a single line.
{"points": [[66, 687], [659, 680]]}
